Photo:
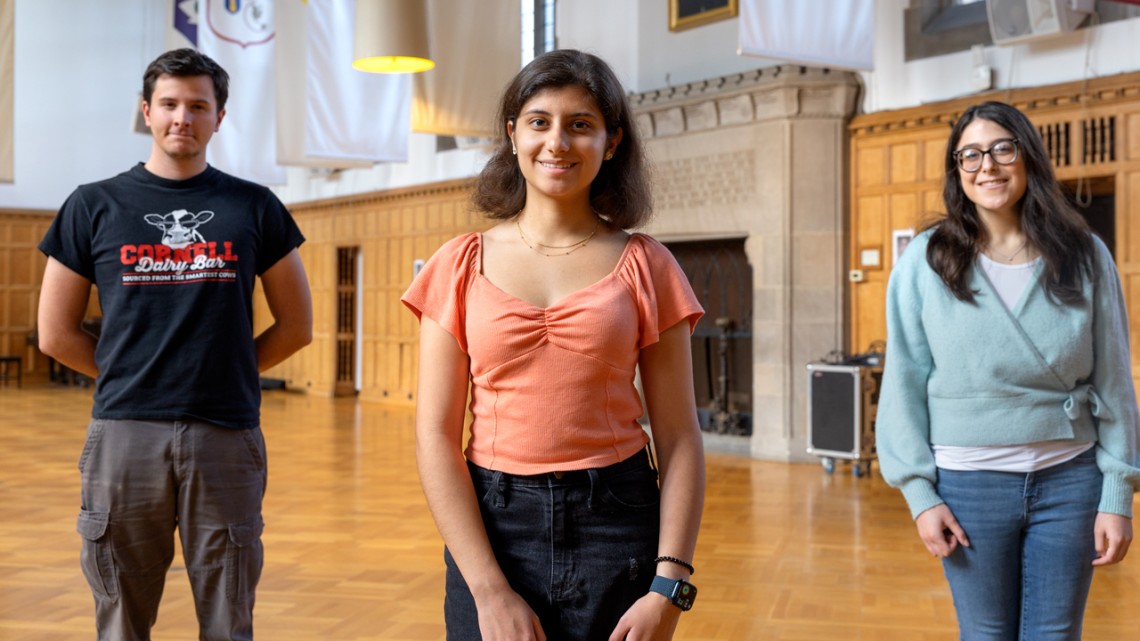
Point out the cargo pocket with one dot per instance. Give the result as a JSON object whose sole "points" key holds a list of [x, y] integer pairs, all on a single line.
{"points": [[244, 557], [96, 559], [94, 435]]}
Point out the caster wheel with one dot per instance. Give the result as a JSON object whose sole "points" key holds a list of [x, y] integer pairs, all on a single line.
{"points": [[828, 464], [857, 469]]}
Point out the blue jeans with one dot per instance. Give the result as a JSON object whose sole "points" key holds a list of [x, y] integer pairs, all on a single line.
{"points": [[577, 546], [1027, 572]]}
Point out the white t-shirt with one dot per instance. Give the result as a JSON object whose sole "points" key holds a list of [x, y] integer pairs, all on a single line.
{"points": [[1010, 282]]}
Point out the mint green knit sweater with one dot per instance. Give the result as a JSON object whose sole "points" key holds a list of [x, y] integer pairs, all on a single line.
{"points": [[980, 374]]}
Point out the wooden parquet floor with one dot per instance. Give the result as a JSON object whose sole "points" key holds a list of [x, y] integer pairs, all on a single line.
{"points": [[786, 553]]}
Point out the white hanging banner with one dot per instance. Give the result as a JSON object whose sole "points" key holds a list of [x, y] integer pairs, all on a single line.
{"points": [[816, 33], [240, 36], [329, 114], [350, 114]]}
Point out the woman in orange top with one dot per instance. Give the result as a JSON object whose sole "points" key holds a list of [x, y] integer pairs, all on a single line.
{"points": [[554, 521]]}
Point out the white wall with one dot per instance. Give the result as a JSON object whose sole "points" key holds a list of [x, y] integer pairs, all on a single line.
{"points": [[1110, 49], [634, 38], [77, 77], [667, 58], [424, 166], [579, 26]]}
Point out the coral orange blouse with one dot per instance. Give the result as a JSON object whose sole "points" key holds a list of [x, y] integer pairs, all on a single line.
{"points": [[553, 389]]}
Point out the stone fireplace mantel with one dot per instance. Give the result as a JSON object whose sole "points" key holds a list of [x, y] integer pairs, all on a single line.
{"points": [[763, 154]]}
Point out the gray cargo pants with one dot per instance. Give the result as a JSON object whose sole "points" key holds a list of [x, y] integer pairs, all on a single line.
{"points": [[143, 479]]}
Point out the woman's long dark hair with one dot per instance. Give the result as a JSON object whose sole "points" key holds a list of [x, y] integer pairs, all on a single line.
{"points": [[620, 193], [1051, 225]]}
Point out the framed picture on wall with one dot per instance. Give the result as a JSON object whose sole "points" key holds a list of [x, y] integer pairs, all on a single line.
{"points": [[900, 238], [686, 14]]}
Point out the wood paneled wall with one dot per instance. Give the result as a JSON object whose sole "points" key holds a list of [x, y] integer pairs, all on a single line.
{"points": [[392, 230], [21, 272], [1091, 128]]}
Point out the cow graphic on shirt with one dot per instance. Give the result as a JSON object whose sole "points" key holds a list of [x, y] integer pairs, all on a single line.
{"points": [[183, 255], [180, 227]]}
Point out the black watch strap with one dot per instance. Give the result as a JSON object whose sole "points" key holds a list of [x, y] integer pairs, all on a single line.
{"points": [[680, 592]]}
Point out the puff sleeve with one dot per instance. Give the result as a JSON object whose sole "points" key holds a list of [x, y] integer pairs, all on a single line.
{"points": [[662, 291], [440, 290]]}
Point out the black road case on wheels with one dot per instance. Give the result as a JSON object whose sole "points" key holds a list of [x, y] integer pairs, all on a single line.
{"points": [[842, 402]]}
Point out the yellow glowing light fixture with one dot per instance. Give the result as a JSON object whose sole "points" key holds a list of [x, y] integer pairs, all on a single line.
{"points": [[391, 36]]}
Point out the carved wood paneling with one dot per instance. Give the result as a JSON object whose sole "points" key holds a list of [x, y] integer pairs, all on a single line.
{"points": [[1131, 136], [904, 163], [870, 325], [1090, 128], [1128, 227], [21, 272], [935, 165], [392, 229], [904, 210], [870, 163]]}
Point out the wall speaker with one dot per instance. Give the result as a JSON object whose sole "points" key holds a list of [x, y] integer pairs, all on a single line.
{"points": [[1016, 21]]}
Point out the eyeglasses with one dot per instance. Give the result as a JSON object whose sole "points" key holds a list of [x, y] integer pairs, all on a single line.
{"points": [[1003, 152]]}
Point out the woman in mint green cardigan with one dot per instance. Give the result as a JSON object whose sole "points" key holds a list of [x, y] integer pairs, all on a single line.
{"points": [[1007, 414]]}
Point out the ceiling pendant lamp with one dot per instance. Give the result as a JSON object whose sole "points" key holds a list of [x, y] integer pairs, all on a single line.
{"points": [[391, 36]]}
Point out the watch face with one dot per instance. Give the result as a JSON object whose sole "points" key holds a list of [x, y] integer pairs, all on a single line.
{"points": [[680, 593], [684, 594]]}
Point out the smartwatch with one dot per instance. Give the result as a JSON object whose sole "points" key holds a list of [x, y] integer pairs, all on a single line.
{"points": [[680, 592]]}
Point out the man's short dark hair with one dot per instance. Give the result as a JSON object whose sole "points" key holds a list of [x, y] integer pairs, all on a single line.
{"points": [[183, 63]]}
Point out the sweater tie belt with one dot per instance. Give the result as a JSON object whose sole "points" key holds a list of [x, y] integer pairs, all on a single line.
{"points": [[1085, 395]]}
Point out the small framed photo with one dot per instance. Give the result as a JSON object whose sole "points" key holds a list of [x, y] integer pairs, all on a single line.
{"points": [[686, 14], [900, 238]]}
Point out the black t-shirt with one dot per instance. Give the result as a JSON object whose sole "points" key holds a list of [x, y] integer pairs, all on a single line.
{"points": [[175, 263]]}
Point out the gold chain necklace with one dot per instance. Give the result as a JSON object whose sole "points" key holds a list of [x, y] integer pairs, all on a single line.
{"points": [[1010, 257], [570, 249]]}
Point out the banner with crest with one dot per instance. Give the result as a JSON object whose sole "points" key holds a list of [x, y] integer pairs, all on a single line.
{"points": [[240, 36]]}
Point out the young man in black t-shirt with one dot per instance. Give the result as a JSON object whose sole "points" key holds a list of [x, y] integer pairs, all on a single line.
{"points": [[174, 247]]}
